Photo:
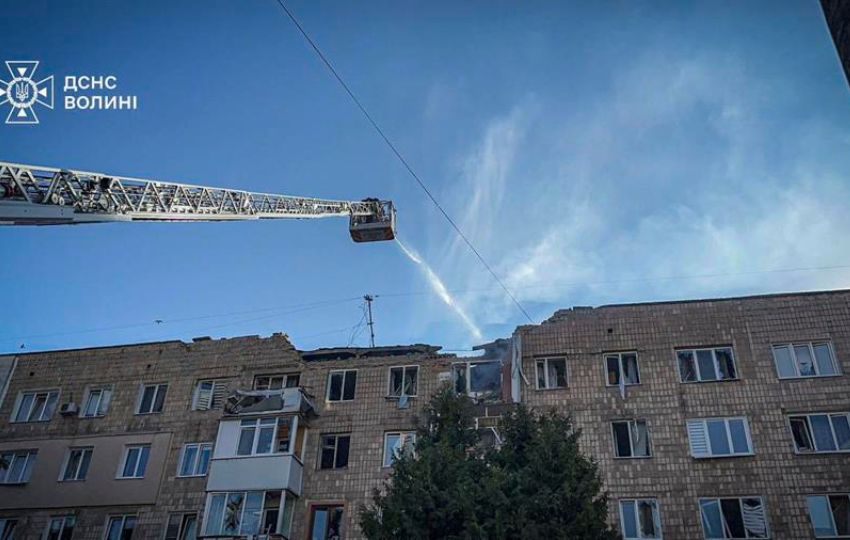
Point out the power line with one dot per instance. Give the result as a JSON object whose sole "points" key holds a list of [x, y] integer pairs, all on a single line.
{"points": [[401, 158]]}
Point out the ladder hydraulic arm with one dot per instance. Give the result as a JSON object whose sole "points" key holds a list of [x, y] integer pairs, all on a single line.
{"points": [[33, 195]]}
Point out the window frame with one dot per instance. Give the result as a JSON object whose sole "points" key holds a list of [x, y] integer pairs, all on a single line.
{"points": [[403, 436], [336, 437], [4, 526], [200, 446], [26, 471], [342, 398], [257, 423], [728, 430], [790, 345], [619, 355], [126, 454], [64, 518], [181, 528], [811, 432], [697, 368], [656, 518], [467, 374], [629, 422], [831, 513], [546, 381], [140, 399], [327, 506], [102, 389], [740, 499], [67, 461], [35, 393], [286, 498], [123, 517], [196, 394], [270, 376], [403, 369]]}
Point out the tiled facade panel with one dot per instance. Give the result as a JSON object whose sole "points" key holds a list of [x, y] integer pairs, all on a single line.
{"points": [[671, 475]]}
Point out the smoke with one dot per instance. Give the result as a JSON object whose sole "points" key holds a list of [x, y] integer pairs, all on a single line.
{"points": [[437, 285]]}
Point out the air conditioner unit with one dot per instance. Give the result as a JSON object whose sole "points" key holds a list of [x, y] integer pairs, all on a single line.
{"points": [[68, 409]]}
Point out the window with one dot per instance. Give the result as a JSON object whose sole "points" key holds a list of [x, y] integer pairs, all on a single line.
{"points": [[120, 527], [7, 528], [61, 528], [248, 512], [326, 523], [276, 382], [334, 451], [396, 444], [209, 395], [830, 515], [631, 439], [77, 462], [135, 461], [704, 365], [639, 518], [403, 380], [36, 406], [341, 385], [622, 369], [195, 459], [151, 398], [478, 378], [182, 527], [821, 432], [796, 360], [16, 466], [551, 373], [717, 437], [96, 402], [733, 518], [264, 436]]}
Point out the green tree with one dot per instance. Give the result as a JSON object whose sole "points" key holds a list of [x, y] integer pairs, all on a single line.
{"points": [[536, 484]]}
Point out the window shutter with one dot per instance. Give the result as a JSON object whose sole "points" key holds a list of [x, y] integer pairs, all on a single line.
{"points": [[203, 396], [219, 392], [698, 438]]}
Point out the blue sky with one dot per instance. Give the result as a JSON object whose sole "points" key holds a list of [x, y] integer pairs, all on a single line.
{"points": [[591, 151]]}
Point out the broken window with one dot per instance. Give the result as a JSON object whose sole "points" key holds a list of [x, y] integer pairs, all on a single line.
{"points": [[326, 523], [551, 373], [733, 518], [797, 360], [821, 432], [403, 380], [631, 439], [702, 365], [478, 378], [717, 437], [334, 451], [244, 513], [830, 515], [640, 519], [396, 444], [36, 406], [276, 382], [622, 368], [96, 401], [341, 385], [209, 395]]}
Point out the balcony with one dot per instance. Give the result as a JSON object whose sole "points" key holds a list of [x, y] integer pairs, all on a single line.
{"points": [[255, 473]]}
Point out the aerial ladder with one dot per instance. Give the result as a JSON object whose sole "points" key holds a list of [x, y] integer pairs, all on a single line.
{"points": [[34, 195]]}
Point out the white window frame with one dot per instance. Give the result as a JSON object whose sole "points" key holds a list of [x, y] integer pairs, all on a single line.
{"points": [[403, 437], [160, 387], [403, 378], [808, 416], [104, 399], [831, 514], [35, 393], [548, 384], [181, 529], [285, 499], [283, 376], [619, 356], [728, 431], [126, 455], [30, 458], [257, 422], [67, 462], [200, 447], [208, 402], [630, 423], [698, 370], [345, 373], [740, 499], [656, 517], [64, 519], [123, 518], [811, 344]]}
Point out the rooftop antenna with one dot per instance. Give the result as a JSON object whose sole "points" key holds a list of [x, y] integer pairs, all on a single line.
{"points": [[369, 298]]}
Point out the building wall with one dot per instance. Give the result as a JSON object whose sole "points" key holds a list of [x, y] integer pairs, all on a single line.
{"points": [[671, 475]]}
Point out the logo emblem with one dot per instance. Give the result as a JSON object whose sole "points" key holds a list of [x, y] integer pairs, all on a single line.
{"points": [[22, 92]]}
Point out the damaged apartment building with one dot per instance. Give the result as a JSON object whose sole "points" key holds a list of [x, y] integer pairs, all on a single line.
{"points": [[723, 418]]}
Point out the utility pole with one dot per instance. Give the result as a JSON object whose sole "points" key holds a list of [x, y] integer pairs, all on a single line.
{"points": [[368, 298]]}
